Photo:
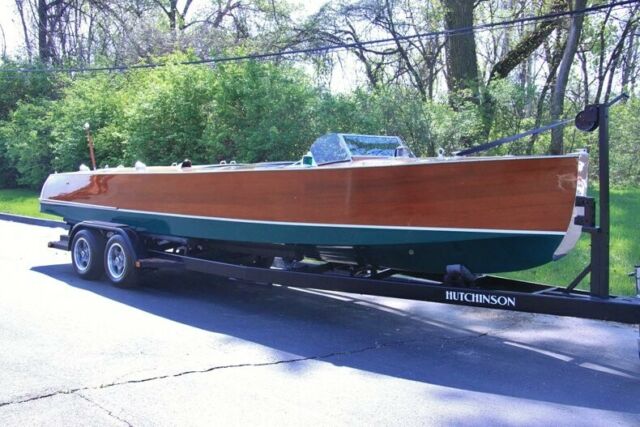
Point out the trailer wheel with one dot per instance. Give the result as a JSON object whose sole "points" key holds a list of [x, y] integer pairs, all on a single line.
{"points": [[119, 263], [87, 249]]}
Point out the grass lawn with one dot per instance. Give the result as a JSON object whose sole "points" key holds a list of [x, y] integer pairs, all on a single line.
{"points": [[625, 240], [22, 202]]}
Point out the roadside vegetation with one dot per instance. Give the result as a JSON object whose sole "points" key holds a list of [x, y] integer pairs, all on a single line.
{"points": [[21, 202]]}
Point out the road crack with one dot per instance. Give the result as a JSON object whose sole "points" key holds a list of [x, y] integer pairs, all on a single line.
{"points": [[325, 356], [491, 333], [108, 412]]}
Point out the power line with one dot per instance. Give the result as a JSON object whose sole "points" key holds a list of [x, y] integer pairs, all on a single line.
{"points": [[339, 46]]}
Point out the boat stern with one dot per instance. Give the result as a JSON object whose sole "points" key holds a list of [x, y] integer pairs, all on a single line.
{"points": [[574, 231]]}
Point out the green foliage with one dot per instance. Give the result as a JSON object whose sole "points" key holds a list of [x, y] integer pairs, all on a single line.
{"points": [[624, 144], [18, 87], [511, 103], [261, 111], [15, 86], [247, 112], [166, 112], [96, 100], [425, 126], [8, 172], [454, 130], [27, 138]]}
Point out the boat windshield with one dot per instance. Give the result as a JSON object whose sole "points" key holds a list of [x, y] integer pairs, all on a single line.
{"points": [[329, 149], [368, 145], [341, 147]]}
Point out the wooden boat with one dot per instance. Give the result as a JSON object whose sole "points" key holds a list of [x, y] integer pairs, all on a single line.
{"points": [[356, 199]]}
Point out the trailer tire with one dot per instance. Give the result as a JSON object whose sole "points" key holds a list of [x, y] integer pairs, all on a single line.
{"points": [[119, 262], [87, 252]]}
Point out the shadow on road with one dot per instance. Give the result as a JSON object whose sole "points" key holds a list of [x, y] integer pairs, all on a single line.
{"points": [[429, 343]]}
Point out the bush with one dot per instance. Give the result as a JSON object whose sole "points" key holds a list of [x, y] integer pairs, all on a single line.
{"points": [[261, 112], [16, 86], [97, 100], [424, 126], [8, 173], [166, 113], [28, 142]]}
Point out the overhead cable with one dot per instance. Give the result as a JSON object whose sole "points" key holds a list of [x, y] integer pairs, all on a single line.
{"points": [[340, 46]]}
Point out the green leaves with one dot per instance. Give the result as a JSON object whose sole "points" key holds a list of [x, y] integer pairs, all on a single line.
{"points": [[99, 101], [26, 138], [166, 113], [260, 112]]}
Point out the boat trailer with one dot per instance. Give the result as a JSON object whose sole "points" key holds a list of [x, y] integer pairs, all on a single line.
{"points": [[484, 291]]}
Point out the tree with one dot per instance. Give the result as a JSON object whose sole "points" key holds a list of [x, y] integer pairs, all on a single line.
{"points": [[28, 142], [557, 98], [261, 112], [462, 62], [81, 32], [166, 113], [527, 45]]}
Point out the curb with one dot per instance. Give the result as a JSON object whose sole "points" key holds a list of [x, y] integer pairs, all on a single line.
{"points": [[33, 221]]}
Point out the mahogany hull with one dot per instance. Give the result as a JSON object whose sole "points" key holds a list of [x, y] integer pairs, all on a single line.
{"points": [[418, 216]]}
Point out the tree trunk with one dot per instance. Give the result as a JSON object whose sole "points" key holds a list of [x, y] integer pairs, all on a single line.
{"points": [[462, 63], [557, 98], [614, 60], [27, 39], [628, 68], [44, 48], [584, 66], [414, 74], [554, 58]]}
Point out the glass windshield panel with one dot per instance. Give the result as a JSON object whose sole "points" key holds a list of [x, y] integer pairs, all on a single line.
{"points": [[329, 149], [366, 145]]}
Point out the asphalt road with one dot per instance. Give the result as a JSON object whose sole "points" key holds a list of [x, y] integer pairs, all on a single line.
{"points": [[196, 350]]}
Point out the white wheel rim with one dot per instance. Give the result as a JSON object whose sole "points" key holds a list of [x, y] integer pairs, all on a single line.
{"points": [[82, 254], [116, 261]]}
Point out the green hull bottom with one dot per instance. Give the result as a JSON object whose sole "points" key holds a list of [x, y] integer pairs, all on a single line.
{"points": [[427, 251], [490, 255]]}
